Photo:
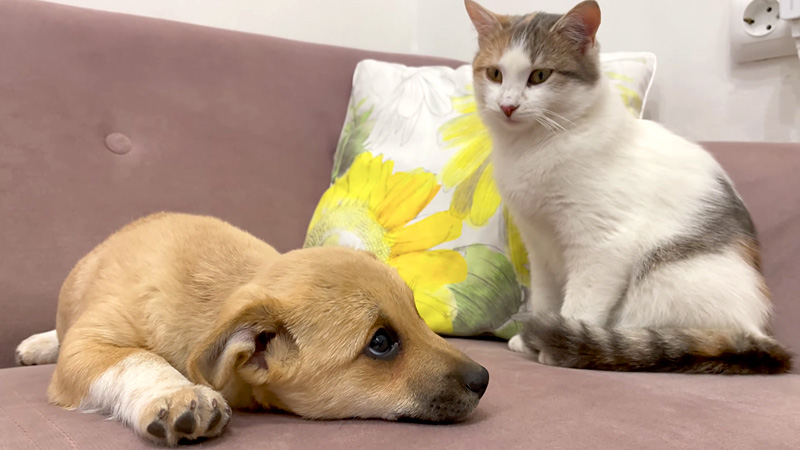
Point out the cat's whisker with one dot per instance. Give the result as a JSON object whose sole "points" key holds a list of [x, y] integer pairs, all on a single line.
{"points": [[569, 122], [546, 125], [558, 116], [555, 125], [539, 121], [555, 114], [558, 125]]}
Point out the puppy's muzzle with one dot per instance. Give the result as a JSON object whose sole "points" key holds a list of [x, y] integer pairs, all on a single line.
{"points": [[457, 395]]}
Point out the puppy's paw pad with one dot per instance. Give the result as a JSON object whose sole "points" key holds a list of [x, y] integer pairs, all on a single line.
{"points": [[217, 416], [157, 429], [187, 414], [186, 423]]}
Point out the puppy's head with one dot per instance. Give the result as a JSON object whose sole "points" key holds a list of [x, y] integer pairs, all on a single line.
{"points": [[331, 333]]}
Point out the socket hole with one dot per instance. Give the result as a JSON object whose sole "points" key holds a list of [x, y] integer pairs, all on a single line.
{"points": [[769, 27], [769, 9]]}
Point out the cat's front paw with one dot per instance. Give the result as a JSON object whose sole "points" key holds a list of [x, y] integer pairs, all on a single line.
{"points": [[546, 359], [186, 413], [515, 344]]}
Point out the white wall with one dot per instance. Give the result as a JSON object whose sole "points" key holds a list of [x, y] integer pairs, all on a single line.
{"points": [[698, 91], [384, 25]]}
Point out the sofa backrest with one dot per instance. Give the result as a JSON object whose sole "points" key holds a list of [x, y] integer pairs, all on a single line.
{"points": [[107, 117]]}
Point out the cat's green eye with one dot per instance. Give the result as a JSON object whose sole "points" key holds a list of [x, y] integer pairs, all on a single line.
{"points": [[494, 74], [539, 76]]}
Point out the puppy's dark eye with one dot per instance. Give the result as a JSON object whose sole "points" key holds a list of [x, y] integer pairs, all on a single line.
{"points": [[383, 345]]}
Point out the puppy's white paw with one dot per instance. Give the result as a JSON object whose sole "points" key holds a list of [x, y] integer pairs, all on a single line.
{"points": [[41, 348], [515, 344], [186, 413]]}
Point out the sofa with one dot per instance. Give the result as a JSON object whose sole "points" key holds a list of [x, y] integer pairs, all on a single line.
{"points": [[107, 117]]}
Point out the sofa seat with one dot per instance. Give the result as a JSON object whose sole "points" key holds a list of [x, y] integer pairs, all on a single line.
{"points": [[526, 406]]}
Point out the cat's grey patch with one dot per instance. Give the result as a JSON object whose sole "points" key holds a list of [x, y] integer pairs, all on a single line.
{"points": [[535, 33], [533, 30], [724, 221]]}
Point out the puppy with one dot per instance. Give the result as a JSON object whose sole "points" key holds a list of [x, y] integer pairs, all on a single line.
{"points": [[175, 319]]}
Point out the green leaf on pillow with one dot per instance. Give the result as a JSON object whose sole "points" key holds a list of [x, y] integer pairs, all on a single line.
{"points": [[355, 132], [489, 296], [508, 329]]}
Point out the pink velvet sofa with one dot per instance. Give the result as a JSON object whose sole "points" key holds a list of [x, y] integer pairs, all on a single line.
{"points": [[106, 117]]}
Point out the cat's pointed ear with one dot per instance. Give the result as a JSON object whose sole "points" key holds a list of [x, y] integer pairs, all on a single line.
{"points": [[580, 24], [485, 21]]}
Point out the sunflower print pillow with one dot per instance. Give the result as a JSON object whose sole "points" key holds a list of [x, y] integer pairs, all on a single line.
{"points": [[412, 183]]}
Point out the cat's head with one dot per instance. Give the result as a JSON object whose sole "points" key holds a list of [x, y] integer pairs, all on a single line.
{"points": [[536, 69]]}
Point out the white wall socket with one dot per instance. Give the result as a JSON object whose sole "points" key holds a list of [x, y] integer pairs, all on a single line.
{"points": [[757, 32]]}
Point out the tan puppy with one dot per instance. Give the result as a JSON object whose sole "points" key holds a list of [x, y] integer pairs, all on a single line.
{"points": [[175, 317]]}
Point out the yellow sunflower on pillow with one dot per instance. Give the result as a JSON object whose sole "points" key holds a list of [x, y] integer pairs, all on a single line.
{"points": [[470, 171], [475, 198], [372, 208]]}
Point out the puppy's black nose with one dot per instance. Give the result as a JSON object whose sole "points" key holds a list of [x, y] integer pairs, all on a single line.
{"points": [[476, 379]]}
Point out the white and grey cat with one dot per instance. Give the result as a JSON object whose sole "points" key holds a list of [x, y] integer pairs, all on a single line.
{"points": [[642, 254]]}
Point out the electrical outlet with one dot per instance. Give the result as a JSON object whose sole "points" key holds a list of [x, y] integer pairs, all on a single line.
{"points": [[757, 32], [761, 17]]}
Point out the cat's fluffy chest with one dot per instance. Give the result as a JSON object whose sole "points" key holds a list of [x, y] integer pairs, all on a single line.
{"points": [[594, 186], [543, 185]]}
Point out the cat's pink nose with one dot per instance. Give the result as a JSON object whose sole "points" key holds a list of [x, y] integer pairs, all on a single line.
{"points": [[509, 109]]}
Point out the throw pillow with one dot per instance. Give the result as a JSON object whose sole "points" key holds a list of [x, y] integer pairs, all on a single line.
{"points": [[412, 183]]}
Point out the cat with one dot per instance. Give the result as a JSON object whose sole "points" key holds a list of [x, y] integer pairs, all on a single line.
{"points": [[643, 257]]}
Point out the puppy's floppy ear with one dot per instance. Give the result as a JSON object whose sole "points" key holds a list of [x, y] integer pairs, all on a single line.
{"points": [[238, 342]]}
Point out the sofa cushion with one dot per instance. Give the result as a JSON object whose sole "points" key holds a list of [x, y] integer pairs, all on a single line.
{"points": [[526, 406]]}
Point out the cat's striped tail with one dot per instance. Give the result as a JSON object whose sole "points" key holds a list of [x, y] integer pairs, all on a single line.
{"points": [[573, 344]]}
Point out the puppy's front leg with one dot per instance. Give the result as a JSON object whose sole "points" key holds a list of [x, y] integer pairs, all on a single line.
{"points": [[138, 388]]}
